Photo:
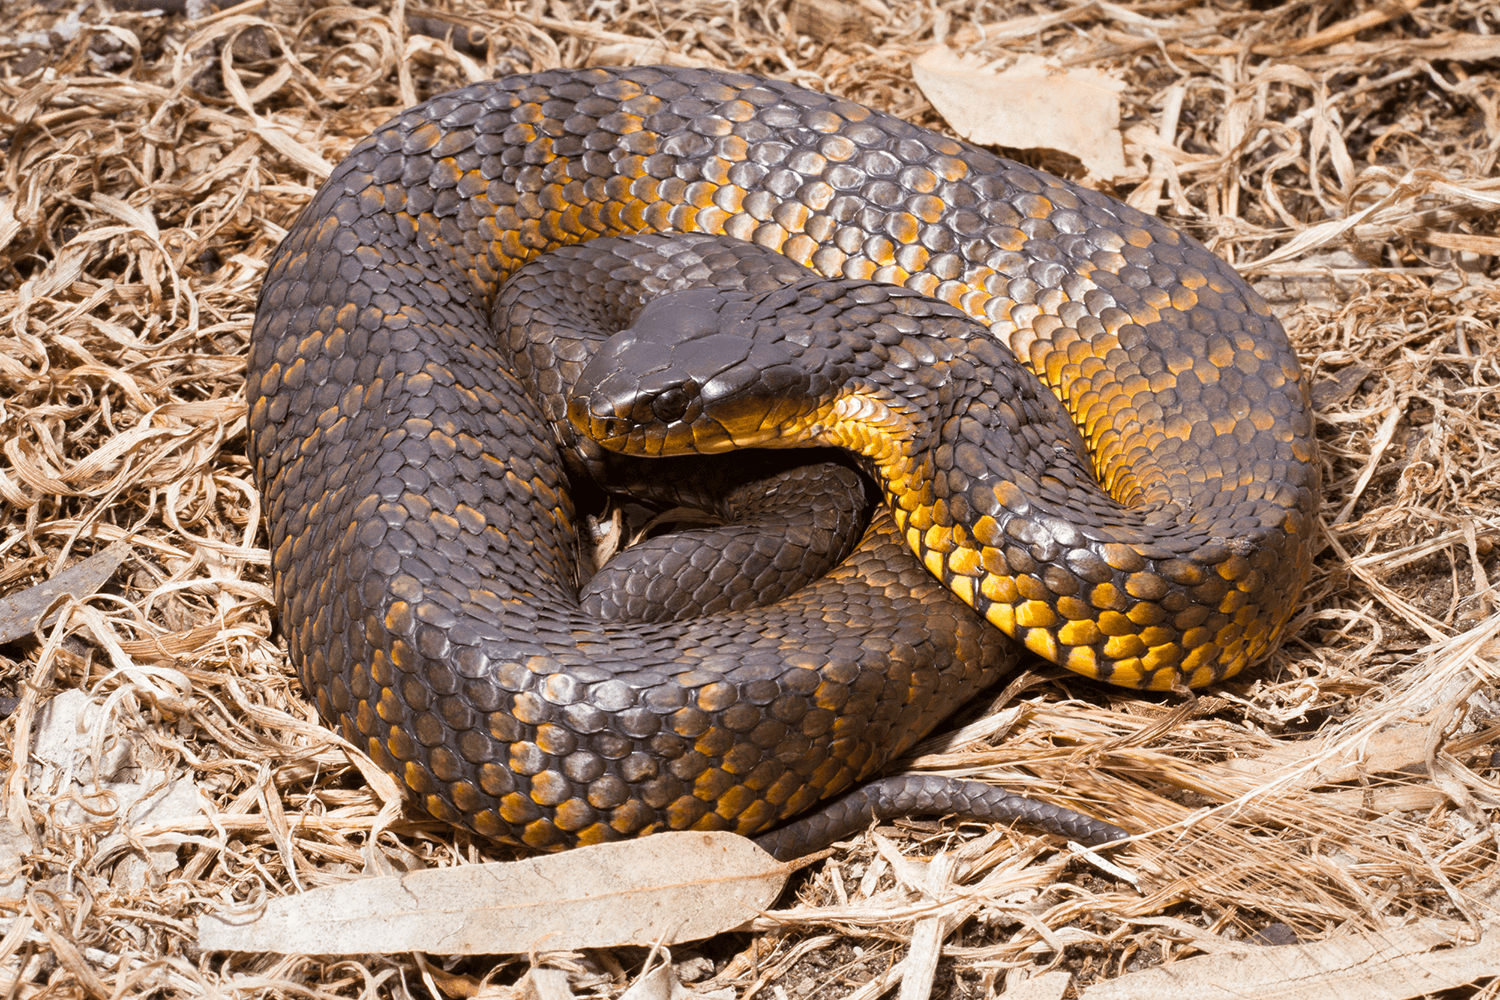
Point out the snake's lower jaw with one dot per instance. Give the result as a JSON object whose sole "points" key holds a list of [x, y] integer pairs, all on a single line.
{"points": [[735, 426], [656, 440]]}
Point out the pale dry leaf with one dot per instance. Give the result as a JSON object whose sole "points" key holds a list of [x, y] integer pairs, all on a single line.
{"points": [[1390, 750], [15, 844], [668, 888], [1047, 986], [80, 752], [76, 738], [658, 984], [547, 984], [1030, 106], [1370, 965]]}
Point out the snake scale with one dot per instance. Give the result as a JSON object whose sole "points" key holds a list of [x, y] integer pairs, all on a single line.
{"points": [[417, 465]]}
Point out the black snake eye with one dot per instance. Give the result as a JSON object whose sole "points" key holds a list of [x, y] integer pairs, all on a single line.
{"points": [[671, 406]]}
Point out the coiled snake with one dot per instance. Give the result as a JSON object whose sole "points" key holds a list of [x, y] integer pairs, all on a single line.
{"points": [[416, 463]]}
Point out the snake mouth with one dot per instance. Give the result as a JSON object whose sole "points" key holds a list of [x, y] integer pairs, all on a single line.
{"points": [[676, 422]]}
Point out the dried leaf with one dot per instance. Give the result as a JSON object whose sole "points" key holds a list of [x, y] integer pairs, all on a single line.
{"points": [[668, 888], [1375, 965], [1047, 986], [1029, 106], [658, 984], [20, 614], [547, 984]]}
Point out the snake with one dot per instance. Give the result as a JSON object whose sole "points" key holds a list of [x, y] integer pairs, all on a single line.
{"points": [[1090, 438]]}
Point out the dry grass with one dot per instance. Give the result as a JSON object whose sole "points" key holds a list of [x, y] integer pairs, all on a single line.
{"points": [[1344, 155]]}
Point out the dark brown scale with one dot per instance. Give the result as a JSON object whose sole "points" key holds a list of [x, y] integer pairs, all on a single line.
{"points": [[422, 533], [785, 525]]}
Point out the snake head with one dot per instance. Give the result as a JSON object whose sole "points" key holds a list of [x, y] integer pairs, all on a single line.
{"points": [[690, 376]]}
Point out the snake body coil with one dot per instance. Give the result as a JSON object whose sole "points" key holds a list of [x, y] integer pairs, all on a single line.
{"points": [[423, 538]]}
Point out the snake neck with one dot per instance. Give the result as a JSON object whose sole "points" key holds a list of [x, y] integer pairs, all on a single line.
{"points": [[881, 427], [893, 437]]}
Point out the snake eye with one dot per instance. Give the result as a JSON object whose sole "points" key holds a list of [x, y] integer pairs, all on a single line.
{"points": [[671, 406]]}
